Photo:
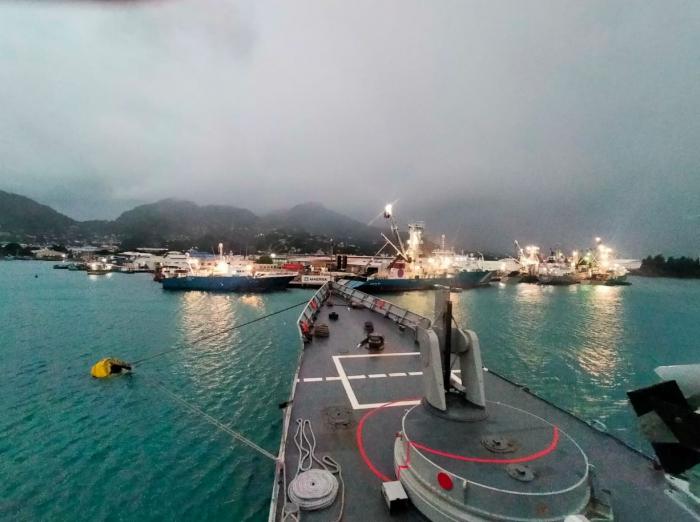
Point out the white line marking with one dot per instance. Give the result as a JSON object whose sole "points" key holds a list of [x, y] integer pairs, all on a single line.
{"points": [[313, 379], [346, 384], [393, 404], [397, 374], [345, 379], [336, 378], [376, 355]]}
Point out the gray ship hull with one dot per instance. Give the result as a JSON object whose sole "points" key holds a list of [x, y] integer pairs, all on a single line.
{"points": [[356, 400]]}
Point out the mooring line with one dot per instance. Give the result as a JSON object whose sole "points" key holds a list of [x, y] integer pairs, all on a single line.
{"points": [[217, 333], [212, 420]]}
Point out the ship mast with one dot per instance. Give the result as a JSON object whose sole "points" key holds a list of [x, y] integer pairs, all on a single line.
{"points": [[389, 215]]}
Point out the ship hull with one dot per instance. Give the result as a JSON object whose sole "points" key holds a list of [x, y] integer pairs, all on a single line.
{"points": [[462, 280], [563, 280], [356, 402], [227, 283]]}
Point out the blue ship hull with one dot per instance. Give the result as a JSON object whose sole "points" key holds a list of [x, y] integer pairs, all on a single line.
{"points": [[227, 283], [461, 280]]}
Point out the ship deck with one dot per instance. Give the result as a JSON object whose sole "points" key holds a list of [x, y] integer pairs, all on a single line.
{"points": [[340, 389]]}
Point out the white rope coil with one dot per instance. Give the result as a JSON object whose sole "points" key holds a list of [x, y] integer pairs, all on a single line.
{"points": [[313, 489]]}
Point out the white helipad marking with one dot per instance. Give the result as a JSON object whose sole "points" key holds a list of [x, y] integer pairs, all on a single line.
{"points": [[313, 379], [376, 355], [335, 378], [346, 384], [397, 374], [348, 388], [415, 373], [379, 404], [351, 377]]}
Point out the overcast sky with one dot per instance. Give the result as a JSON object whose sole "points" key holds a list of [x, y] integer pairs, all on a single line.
{"points": [[544, 121]]}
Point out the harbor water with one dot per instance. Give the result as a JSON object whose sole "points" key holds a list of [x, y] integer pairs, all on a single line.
{"points": [[76, 448]]}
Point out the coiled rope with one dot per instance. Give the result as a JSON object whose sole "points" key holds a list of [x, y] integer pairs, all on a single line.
{"points": [[313, 488]]}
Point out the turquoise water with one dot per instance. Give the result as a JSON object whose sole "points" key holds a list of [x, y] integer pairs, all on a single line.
{"points": [[73, 448]]}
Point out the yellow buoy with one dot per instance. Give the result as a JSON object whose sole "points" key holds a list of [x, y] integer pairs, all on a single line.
{"points": [[109, 366]]}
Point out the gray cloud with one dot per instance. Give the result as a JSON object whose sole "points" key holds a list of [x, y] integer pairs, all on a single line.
{"points": [[545, 119]]}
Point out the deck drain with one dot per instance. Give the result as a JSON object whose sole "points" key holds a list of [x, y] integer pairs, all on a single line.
{"points": [[499, 444]]}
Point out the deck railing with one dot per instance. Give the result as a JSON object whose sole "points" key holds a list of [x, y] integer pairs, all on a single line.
{"points": [[394, 312]]}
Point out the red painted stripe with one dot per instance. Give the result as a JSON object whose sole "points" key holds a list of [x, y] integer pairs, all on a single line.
{"points": [[518, 460], [407, 461], [361, 445], [381, 476]]}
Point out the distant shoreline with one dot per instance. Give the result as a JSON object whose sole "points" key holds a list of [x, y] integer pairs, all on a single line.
{"points": [[642, 273]]}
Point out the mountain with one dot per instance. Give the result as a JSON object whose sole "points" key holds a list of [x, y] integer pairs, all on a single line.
{"points": [[316, 219], [172, 221], [179, 224], [22, 217]]}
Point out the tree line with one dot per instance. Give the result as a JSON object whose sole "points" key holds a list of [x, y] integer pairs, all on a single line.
{"points": [[672, 267]]}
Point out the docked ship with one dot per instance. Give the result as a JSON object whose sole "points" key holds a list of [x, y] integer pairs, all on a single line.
{"points": [[528, 265], [557, 270], [98, 268], [227, 276], [392, 416], [410, 270], [598, 267]]}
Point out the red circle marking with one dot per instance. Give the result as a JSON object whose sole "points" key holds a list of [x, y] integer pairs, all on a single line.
{"points": [[518, 460], [361, 445], [444, 480], [381, 476]]}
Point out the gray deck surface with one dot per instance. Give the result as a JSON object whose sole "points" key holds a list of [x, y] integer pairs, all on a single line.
{"points": [[637, 490]]}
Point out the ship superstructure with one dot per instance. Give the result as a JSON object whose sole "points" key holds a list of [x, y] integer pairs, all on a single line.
{"points": [[410, 269]]}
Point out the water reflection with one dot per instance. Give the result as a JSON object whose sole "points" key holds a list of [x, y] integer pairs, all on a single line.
{"points": [[600, 330], [254, 301], [203, 313], [210, 342], [527, 294]]}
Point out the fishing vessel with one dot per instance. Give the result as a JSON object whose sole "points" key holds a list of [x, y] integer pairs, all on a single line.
{"points": [[411, 270], [393, 417], [557, 276], [226, 276], [528, 260], [597, 266], [557, 270]]}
